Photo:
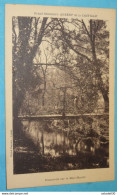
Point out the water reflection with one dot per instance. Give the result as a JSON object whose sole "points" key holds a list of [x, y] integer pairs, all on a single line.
{"points": [[56, 141], [57, 145]]}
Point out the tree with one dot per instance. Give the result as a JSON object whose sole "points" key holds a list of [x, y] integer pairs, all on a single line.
{"points": [[78, 49], [89, 42], [28, 33]]}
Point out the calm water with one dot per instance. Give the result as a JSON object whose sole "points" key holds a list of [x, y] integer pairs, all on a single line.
{"points": [[61, 145], [49, 141], [52, 140]]}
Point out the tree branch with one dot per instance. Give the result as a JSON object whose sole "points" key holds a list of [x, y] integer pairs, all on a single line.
{"points": [[71, 47], [86, 29]]}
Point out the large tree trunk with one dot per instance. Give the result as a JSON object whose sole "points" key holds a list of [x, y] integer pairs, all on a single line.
{"points": [[96, 64], [23, 61], [23, 56], [106, 99], [102, 89]]}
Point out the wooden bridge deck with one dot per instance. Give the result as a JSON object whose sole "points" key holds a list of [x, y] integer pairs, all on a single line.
{"points": [[69, 116]]}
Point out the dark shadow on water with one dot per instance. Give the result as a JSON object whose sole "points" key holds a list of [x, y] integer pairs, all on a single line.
{"points": [[29, 159]]}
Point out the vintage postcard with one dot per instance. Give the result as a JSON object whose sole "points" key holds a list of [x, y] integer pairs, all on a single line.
{"points": [[59, 82]]}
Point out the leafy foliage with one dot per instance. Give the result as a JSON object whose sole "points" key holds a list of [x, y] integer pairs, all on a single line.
{"points": [[60, 65]]}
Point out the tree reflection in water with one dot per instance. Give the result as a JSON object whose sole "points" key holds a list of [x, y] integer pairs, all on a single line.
{"points": [[58, 146]]}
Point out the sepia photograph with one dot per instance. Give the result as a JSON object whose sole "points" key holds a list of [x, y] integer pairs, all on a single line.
{"points": [[60, 94], [60, 97]]}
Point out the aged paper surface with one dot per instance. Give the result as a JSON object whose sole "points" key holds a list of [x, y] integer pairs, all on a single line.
{"points": [[59, 82]]}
